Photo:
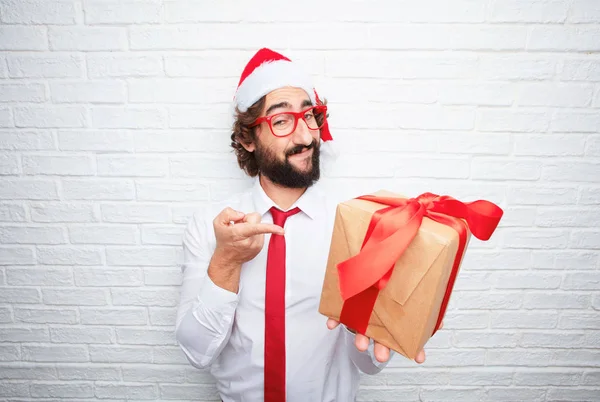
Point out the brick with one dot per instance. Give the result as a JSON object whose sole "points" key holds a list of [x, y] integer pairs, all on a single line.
{"points": [[178, 90], [385, 65], [93, 335], [162, 276], [199, 376], [518, 357], [391, 376], [6, 117], [30, 65], [451, 394], [63, 255], [14, 389], [169, 355], [114, 65], [55, 353], [347, 166], [576, 358], [489, 376], [466, 320], [536, 238], [485, 168], [27, 372], [582, 281], [162, 235], [520, 319], [518, 217], [564, 259], [46, 316], [19, 295], [567, 217], [114, 316], [19, 37], [22, 93], [202, 64], [103, 234], [135, 213], [205, 166], [487, 94], [3, 67], [34, 276], [505, 120], [154, 374], [16, 256], [455, 167], [578, 320], [193, 117], [438, 37], [181, 213], [62, 390], [473, 281], [12, 212], [94, 373], [158, 297], [593, 145], [118, 354], [38, 12], [382, 140], [50, 116], [173, 190], [9, 164], [556, 300], [517, 280], [128, 391], [575, 121], [5, 316], [571, 171], [104, 277], [208, 392], [389, 91], [516, 67], [583, 11], [484, 339], [559, 95], [98, 189], [591, 378], [32, 189], [58, 165], [572, 394], [580, 70], [95, 140], [88, 92], [517, 11], [589, 195], [25, 140], [128, 117], [136, 166], [75, 297], [128, 12], [18, 334], [221, 190], [88, 38], [551, 376], [516, 393], [564, 38], [585, 239], [485, 300], [182, 141], [542, 195], [550, 145], [62, 212], [163, 316], [145, 336]]}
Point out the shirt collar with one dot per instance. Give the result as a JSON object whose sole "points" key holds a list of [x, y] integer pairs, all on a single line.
{"points": [[309, 202]]}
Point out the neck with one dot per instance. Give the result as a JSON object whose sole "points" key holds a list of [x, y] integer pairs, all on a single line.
{"points": [[284, 197]]}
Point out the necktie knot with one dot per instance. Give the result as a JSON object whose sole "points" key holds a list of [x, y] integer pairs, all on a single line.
{"points": [[279, 216]]}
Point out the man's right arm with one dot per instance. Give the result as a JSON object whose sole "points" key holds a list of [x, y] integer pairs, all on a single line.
{"points": [[208, 297]]}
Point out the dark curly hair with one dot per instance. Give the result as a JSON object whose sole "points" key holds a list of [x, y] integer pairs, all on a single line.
{"points": [[244, 134]]}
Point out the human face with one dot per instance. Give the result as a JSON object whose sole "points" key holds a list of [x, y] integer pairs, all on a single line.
{"points": [[291, 161]]}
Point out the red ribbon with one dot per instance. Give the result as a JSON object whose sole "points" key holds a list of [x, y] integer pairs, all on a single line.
{"points": [[390, 232]]}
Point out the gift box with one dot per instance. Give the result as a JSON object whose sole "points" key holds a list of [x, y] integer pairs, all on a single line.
{"points": [[393, 262]]}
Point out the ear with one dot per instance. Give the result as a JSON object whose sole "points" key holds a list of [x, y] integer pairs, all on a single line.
{"points": [[249, 147]]}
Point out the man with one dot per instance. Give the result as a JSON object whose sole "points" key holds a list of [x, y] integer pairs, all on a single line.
{"points": [[252, 277]]}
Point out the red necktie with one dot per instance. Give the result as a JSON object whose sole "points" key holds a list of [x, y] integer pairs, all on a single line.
{"points": [[275, 312]]}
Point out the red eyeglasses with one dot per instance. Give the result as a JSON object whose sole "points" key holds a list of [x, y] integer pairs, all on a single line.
{"points": [[285, 123]]}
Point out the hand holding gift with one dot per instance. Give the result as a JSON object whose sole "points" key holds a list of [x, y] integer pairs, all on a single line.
{"points": [[393, 262]]}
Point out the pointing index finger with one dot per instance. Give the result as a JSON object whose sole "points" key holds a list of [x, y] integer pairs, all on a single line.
{"points": [[248, 230]]}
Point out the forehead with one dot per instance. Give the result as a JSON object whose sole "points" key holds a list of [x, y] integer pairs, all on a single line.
{"points": [[294, 96]]}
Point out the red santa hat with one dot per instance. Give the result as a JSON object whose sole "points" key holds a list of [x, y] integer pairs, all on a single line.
{"points": [[268, 70]]}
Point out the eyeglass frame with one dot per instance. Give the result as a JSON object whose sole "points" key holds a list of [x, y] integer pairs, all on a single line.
{"points": [[322, 109]]}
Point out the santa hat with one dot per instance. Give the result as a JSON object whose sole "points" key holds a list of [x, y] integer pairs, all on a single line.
{"points": [[267, 71]]}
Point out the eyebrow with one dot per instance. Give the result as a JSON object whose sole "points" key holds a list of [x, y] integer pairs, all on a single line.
{"points": [[283, 104]]}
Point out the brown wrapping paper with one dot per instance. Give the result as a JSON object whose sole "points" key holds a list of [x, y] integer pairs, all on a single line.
{"points": [[406, 310]]}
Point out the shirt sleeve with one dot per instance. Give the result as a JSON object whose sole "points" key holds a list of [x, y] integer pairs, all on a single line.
{"points": [[364, 361], [206, 311]]}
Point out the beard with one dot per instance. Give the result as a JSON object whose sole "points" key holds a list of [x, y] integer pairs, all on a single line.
{"points": [[283, 172]]}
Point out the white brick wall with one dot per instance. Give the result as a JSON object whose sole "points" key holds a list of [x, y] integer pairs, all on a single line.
{"points": [[113, 129]]}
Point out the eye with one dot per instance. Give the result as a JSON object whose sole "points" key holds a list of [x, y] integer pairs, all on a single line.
{"points": [[309, 116], [281, 121]]}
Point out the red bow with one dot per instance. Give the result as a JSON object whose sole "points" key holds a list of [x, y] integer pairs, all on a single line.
{"points": [[390, 232]]}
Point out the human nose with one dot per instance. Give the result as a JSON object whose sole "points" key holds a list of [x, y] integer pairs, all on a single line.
{"points": [[302, 134]]}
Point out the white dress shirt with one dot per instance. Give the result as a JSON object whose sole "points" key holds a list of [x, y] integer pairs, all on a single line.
{"points": [[224, 331]]}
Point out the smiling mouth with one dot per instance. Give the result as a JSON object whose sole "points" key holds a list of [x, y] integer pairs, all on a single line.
{"points": [[303, 152]]}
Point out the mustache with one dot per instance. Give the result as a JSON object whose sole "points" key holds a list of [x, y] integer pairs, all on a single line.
{"points": [[299, 148]]}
